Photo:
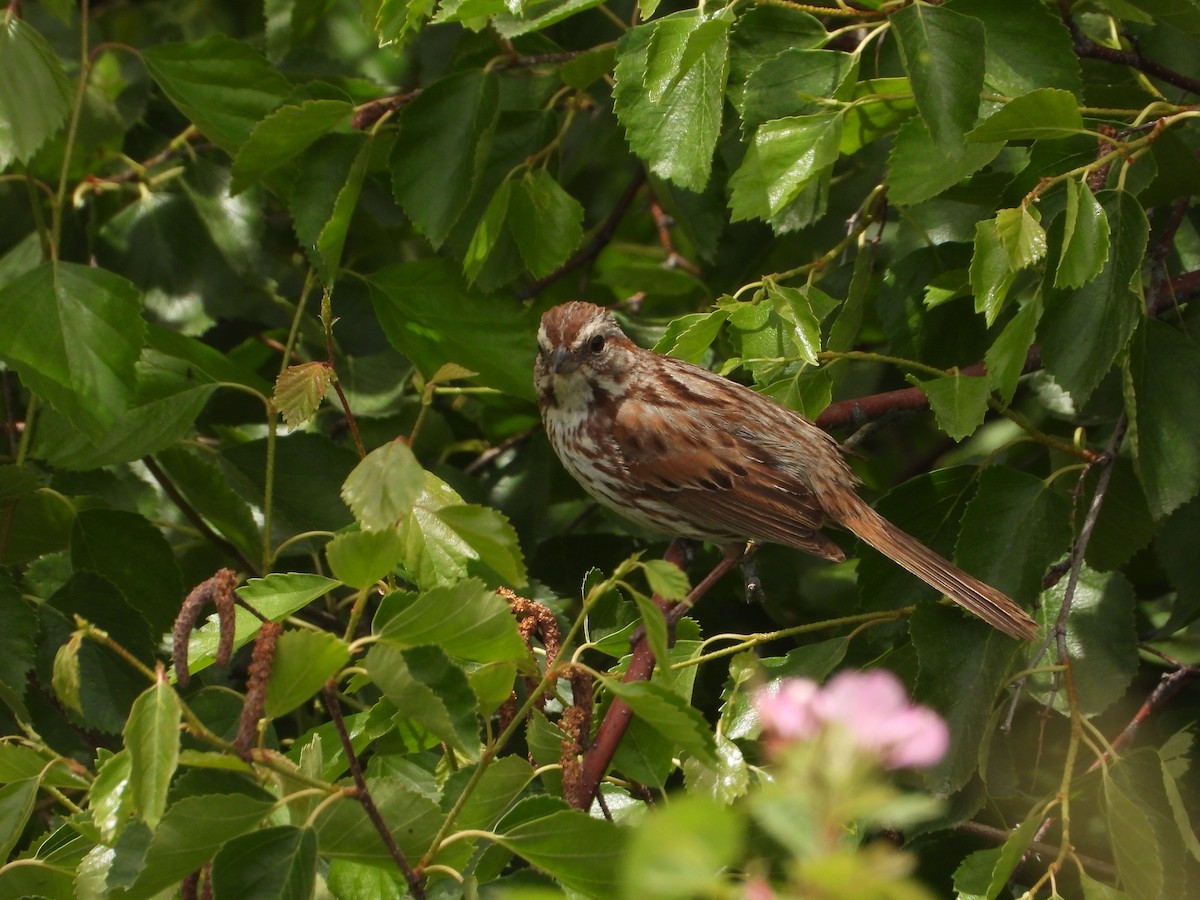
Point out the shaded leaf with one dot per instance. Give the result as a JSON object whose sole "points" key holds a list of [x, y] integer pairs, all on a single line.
{"points": [[384, 486], [152, 739], [361, 558], [546, 222], [278, 863], [959, 401], [283, 135], [1085, 238], [467, 620], [427, 687], [578, 851], [36, 96], [668, 714], [304, 661]]}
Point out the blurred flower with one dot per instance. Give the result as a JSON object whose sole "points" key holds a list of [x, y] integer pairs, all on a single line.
{"points": [[871, 707]]}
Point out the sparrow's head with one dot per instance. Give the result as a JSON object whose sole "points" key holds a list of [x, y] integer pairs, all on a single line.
{"points": [[582, 353]]}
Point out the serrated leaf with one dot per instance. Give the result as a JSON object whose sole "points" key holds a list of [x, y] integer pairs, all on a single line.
{"points": [[74, 334], [668, 714], [1164, 376], [1132, 837], [919, 169], [958, 401], [786, 156], [384, 486], [278, 863], [689, 337], [325, 193], [152, 739], [17, 644], [282, 136], [489, 537], [361, 558], [1028, 46], [36, 96], [577, 850], [546, 222], [299, 391], [1044, 114], [1006, 357], [16, 806], [940, 52], [344, 832], [466, 619], [1085, 238], [790, 84], [666, 579], [427, 687], [1107, 309], [304, 661], [1022, 236], [683, 848], [224, 86], [794, 305], [1101, 639], [446, 129], [674, 128]]}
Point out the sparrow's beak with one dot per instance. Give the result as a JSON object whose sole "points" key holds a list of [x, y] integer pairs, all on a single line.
{"points": [[563, 362]]}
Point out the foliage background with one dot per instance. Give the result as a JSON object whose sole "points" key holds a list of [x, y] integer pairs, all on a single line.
{"points": [[865, 209]]}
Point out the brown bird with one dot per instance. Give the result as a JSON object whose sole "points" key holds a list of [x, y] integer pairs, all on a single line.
{"points": [[683, 451]]}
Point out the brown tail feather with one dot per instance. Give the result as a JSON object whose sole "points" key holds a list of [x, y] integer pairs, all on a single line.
{"points": [[984, 601]]}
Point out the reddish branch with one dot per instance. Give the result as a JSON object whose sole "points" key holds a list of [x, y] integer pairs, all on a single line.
{"points": [[1167, 687]]}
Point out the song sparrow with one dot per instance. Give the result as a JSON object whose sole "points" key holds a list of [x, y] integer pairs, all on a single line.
{"points": [[681, 450]]}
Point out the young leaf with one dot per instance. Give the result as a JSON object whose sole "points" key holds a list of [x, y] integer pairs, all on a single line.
{"points": [[1022, 236], [152, 739], [300, 389], [666, 579], [65, 676], [1085, 238], [787, 155], [940, 51], [383, 487], [690, 337], [361, 558], [304, 661], [1006, 357]]}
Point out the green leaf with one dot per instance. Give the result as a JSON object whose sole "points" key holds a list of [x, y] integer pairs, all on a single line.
{"points": [[537, 14], [65, 675], [282, 136], [958, 401], [1131, 834], [795, 306], [36, 96], [683, 849], [940, 52], [488, 537], [964, 670], [725, 782], [467, 620], [1040, 115], [1101, 639], [1106, 309], [785, 157], [763, 32], [299, 391], [383, 487], [127, 550], [277, 863], [202, 483], [74, 333], [668, 714], [1022, 514], [790, 83], [1022, 236], [152, 739], [669, 97], [991, 272], [578, 851], [304, 661], [325, 194], [545, 221], [276, 596], [689, 337], [880, 106], [16, 646], [1164, 376], [427, 687], [1028, 46], [191, 832], [666, 579], [446, 129], [345, 832], [16, 806], [918, 169], [361, 558], [491, 234], [224, 86], [432, 317], [1085, 238]]}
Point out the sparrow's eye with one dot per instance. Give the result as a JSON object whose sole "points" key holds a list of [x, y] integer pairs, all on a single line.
{"points": [[596, 344]]}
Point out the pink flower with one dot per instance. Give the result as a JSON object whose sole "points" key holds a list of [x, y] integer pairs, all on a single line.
{"points": [[871, 707]]}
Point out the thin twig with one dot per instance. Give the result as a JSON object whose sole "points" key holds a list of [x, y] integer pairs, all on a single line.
{"points": [[416, 884]]}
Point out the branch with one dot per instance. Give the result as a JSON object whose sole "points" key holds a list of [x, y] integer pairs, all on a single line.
{"points": [[416, 884], [1086, 48]]}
